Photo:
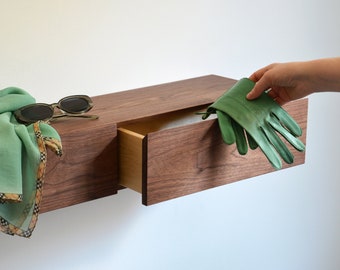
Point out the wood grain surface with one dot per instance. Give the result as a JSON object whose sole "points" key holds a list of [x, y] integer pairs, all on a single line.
{"points": [[88, 168], [193, 158], [180, 160]]}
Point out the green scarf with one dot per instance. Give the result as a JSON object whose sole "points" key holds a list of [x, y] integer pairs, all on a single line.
{"points": [[22, 164]]}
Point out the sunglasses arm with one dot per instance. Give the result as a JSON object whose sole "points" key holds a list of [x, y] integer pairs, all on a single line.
{"points": [[56, 116]]}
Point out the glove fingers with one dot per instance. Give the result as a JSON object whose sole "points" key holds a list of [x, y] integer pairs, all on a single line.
{"points": [[252, 143], [241, 141], [232, 132], [295, 142], [288, 122], [253, 123], [226, 127], [268, 150], [279, 146]]}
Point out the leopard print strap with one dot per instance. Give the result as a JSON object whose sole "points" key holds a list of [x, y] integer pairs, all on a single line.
{"points": [[42, 142]]}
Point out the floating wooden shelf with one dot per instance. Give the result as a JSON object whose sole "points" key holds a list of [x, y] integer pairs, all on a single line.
{"points": [[150, 140]]}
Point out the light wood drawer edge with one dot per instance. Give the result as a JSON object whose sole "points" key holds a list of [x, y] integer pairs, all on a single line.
{"points": [[130, 161]]}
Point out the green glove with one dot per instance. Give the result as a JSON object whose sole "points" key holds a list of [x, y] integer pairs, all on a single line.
{"points": [[232, 132], [260, 119]]}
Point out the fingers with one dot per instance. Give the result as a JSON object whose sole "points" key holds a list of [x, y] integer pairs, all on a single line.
{"points": [[276, 97], [262, 83], [257, 75], [260, 86]]}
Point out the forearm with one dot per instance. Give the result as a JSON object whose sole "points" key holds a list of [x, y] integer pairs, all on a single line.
{"points": [[324, 74]]}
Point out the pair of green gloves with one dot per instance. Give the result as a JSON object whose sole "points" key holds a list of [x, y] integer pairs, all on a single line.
{"points": [[256, 123]]}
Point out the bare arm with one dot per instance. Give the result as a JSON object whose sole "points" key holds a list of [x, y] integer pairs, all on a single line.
{"points": [[294, 80]]}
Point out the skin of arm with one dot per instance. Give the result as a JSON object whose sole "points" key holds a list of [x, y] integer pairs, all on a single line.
{"points": [[294, 80]]}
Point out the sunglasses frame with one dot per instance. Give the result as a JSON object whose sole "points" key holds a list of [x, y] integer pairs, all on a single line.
{"points": [[63, 113]]}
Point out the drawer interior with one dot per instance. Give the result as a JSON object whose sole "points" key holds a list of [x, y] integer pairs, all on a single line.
{"points": [[131, 136], [166, 121]]}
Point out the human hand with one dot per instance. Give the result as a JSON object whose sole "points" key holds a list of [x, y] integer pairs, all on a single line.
{"points": [[284, 81]]}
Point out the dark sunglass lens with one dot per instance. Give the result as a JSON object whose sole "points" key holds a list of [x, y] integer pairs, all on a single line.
{"points": [[37, 112], [74, 105]]}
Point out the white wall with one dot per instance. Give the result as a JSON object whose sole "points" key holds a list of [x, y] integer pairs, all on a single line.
{"points": [[284, 220]]}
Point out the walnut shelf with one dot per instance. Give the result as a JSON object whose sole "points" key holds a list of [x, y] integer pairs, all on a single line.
{"points": [[150, 140]]}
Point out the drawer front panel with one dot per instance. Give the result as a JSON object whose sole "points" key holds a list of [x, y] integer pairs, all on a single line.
{"points": [[192, 158]]}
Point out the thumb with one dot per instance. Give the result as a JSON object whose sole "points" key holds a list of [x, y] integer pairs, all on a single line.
{"points": [[259, 87]]}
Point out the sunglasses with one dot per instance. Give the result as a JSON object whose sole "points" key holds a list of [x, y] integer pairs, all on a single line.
{"points": [[71, 106]]}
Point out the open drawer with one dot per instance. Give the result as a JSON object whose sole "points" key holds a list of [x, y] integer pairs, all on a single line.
{"points": [[176, 154]]}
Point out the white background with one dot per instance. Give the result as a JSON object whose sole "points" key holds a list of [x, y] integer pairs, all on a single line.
{"points": [[287, 220]]}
